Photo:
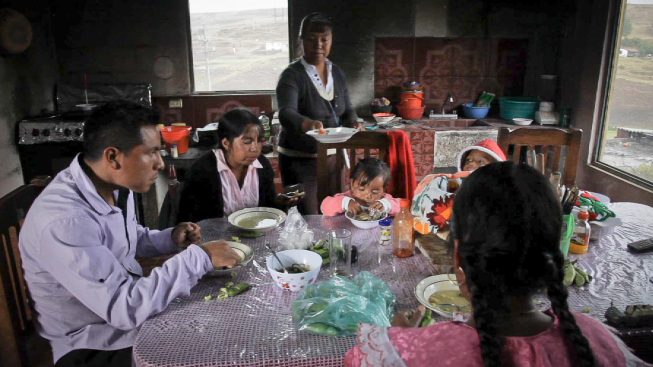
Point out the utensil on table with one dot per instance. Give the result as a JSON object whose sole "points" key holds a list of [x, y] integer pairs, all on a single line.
{"points": [[267, 246]]}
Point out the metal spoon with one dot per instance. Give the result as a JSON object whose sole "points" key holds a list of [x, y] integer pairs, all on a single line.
{"points": [[267, 245]]}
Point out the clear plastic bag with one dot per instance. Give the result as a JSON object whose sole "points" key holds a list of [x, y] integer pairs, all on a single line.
{"points": [[295, 233], [337, 306]]}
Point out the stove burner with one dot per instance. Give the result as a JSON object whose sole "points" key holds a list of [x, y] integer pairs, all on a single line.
{"points": [[51, 129]]}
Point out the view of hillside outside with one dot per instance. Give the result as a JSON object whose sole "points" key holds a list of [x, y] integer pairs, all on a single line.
{"points": [[627, 141], [239, 45]]}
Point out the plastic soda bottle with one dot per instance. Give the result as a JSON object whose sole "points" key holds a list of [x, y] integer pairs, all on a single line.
{"points": [[580, 240], [403, 244]]}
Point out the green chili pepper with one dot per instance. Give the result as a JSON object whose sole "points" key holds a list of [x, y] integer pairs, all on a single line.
{"points": [[231, 290]]}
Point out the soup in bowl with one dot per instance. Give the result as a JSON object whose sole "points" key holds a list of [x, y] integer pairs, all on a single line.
{"points": [[299, 269]]}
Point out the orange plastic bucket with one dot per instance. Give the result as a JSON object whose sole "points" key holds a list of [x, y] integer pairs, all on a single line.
{"points": [[412, 99], [177, 135]]}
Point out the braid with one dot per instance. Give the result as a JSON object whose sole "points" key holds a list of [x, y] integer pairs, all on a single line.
{"points": [[577, 344], [485, 318], [485, 290]]}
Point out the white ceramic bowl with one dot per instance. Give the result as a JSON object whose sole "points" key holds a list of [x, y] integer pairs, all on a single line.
{"points": [[333, 134], [521, 121], [245, 252], [433, 284], [383, 117], [294, 282], [257, 219], [365, 224]]}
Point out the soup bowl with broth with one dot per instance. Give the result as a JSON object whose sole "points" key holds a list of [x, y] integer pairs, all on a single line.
{"points": [[441, 294], [257, 219]]}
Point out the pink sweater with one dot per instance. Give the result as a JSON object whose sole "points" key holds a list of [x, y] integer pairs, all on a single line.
{"points": [[333, 205], [457, 344]]}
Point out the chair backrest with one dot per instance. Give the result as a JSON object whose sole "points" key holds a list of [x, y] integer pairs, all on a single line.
{"points": [[15, 304], [557, 148], [363, 144]]}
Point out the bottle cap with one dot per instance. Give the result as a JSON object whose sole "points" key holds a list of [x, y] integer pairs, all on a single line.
{"points": [[385, 221], [404, 203]]}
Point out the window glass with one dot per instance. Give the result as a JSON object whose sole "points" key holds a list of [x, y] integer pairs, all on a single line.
{"points": [[627, 139], [238, 45]]}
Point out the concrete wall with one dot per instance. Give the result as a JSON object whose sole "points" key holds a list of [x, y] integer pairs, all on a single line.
{"points": [[26, 86]]}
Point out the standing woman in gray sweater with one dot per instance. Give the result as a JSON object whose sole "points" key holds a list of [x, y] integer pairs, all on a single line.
{"points": [[312, 94]]}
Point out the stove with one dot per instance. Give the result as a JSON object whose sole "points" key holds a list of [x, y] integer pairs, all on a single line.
{"points": [[47, 144], [52, 129]]}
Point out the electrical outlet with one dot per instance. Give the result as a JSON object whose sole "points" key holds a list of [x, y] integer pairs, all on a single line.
{"points": [[175, 103]]}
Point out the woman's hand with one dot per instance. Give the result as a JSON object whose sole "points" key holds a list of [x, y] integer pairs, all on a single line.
{"points": [[287, 201], [308, 125], [186, 233]]}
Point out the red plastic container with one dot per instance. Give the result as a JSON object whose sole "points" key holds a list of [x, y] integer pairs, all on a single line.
{"points": [[177, 135], [411, 113], [412, 99]]}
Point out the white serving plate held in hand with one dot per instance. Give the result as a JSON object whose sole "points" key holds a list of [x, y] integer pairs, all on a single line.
{"points": [[245, 252], [333, 134], [259, 219], [438, 283]]}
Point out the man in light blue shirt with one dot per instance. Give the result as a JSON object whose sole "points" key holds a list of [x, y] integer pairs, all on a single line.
{"points": [[80, 239]]}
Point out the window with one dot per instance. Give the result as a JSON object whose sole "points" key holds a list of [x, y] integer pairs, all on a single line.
{"points": [[627, 135], [238, 45]]}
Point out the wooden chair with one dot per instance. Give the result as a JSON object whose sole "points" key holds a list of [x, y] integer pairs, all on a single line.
{"points": [[369, 142], [559, 149], [20, 345]]}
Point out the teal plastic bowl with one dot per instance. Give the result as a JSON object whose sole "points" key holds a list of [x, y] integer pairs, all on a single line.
{"points": [[521, 107]]}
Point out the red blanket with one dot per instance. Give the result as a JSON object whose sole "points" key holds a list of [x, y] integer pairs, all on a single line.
{"points": [[402, 165]]}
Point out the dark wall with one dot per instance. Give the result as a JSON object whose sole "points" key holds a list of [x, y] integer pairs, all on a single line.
{"points": [[358, 23], [121, 41], [26, 86], [124, 42]]}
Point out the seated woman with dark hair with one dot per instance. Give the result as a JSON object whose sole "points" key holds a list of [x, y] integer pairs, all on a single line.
{"points": [[506, 250], [233, 176]]}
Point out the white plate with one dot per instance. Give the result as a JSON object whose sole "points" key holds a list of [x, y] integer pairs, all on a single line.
{"points": [[433, 284], [333, 134], [245, 252], [257, 219]]}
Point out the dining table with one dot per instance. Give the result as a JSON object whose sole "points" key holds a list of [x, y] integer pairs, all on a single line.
{"points": [[256, 328]]}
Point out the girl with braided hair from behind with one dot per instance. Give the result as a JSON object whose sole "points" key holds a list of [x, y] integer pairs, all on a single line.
{"points": [[506, 250]]}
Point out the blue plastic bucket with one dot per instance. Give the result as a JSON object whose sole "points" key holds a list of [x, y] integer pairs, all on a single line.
{"points": [[511, 107]]}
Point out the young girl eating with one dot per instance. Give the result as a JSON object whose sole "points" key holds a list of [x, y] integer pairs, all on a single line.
{"points": [[368, 182]]}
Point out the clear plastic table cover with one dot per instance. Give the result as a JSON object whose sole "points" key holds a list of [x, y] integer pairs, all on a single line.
{"points": [[255, 328], [618, 275]]}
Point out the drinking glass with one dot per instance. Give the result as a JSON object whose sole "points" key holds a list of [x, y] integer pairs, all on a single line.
{"points": [[340, 252]]}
